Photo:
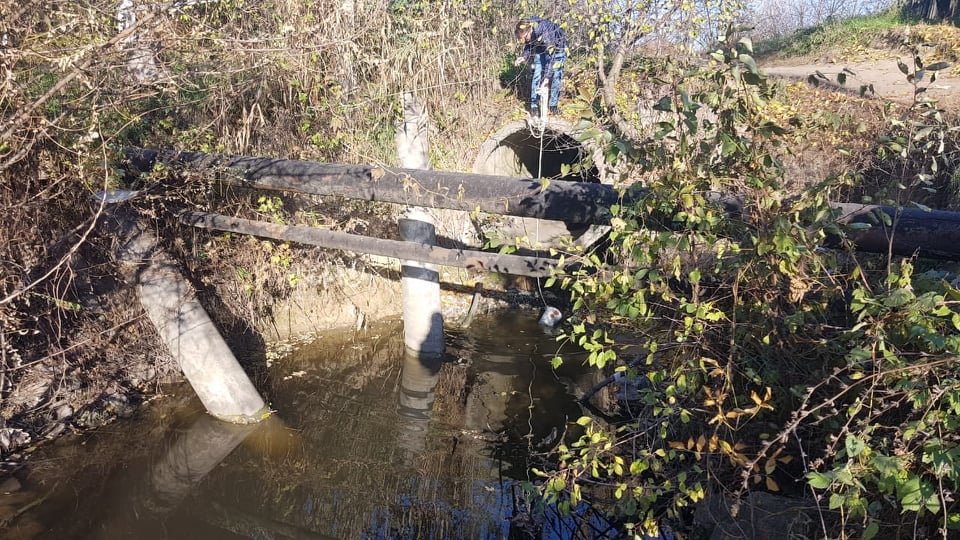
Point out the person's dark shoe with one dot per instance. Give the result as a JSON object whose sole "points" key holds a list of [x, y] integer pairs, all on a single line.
{"points": [[555, 110], [534, 110]]}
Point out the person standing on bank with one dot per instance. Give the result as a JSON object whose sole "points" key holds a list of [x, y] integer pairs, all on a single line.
{"points": [[545, 48]]}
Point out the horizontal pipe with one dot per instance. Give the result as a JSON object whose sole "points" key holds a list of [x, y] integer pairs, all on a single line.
{"points": [[571, 202], [475, 260], [913, 231], [929, 233]]}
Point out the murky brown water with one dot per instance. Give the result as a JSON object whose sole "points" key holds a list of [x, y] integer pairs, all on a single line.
{"points": [[367, 442]]}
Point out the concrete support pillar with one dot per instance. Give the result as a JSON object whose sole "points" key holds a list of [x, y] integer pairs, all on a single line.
{"points": [[420, 283], [194, 341], [185, 327], [422, 319]]}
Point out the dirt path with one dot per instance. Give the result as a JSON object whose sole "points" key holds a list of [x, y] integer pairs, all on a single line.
{"points": [[887, 80]]}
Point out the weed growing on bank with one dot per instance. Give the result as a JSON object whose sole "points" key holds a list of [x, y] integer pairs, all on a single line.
{"points": [[771, 362], [79, 81]]}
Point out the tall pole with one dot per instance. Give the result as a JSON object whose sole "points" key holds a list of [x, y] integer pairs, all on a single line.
{"points": [[420, 282]]}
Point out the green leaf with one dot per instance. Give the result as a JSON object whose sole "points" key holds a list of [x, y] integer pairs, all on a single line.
{"points": [[747, 44], [871, 530], [903, 67], [854, 445], [898, 297], [953, 521], [558, 484], [584, 420], [819, 480], [914, 494], [556, 362], [938, 66], [750, 63], [664, 105]]}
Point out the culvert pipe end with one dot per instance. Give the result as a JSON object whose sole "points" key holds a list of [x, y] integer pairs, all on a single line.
{"points": [[553, 151]]}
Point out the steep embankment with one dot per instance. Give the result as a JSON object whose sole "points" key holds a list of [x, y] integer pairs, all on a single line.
{"points": [[882, 77], [878, 55], [318, 81]]}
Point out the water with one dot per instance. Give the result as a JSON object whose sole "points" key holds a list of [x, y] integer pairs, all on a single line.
{"points": [[367, 442]]}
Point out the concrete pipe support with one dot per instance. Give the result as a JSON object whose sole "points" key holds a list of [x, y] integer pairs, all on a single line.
{"points": [[192, 338], [420, 283]]}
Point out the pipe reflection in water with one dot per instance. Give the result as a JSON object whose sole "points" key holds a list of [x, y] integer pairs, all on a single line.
{"points": [[418, 380], [372, 451], [190, 458], [175, 476]]}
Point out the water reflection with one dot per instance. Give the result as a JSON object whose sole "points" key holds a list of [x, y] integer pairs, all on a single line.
{"points": [[418, 380], [193, 453], [142, 497], [191, 457], [375, 443]]}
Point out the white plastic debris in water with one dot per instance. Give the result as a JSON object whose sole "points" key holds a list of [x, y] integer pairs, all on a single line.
{"points": [[551, 316], [112, 196]]}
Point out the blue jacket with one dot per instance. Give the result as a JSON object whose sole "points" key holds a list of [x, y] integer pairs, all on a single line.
{"points": [[547, 38]]}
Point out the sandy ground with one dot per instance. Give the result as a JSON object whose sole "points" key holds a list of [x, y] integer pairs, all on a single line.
{"points": [[887, 80]]}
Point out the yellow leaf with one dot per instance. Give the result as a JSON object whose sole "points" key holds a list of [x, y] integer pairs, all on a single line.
{"points": [[701, 442], [771, 485], [690, 443], [678, 445], [770, 466], [785, 459]]}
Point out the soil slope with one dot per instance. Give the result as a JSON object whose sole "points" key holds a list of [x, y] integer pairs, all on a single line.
{"points": [[887, 79]]}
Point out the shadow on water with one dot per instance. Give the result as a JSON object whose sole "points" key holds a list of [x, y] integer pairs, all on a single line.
{"points": [[369, 441]]}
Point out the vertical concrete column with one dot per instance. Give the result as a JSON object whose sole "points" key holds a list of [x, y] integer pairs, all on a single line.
{"points": [[420, 284], [422, 319]]}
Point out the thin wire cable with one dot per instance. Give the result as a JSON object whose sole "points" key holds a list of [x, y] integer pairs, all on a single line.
{"points": [[543, 130]]}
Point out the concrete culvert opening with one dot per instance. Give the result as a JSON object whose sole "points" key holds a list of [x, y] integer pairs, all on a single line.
{"points": [[520, 150]]}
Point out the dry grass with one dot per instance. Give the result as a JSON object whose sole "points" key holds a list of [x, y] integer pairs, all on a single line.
{"points": [[314, 80]]}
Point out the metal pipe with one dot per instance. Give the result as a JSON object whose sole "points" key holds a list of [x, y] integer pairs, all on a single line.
{"points": [[460, 258], [928, 233]]}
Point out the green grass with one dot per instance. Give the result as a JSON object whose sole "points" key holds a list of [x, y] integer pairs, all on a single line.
{"points": [[851, 32]]}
